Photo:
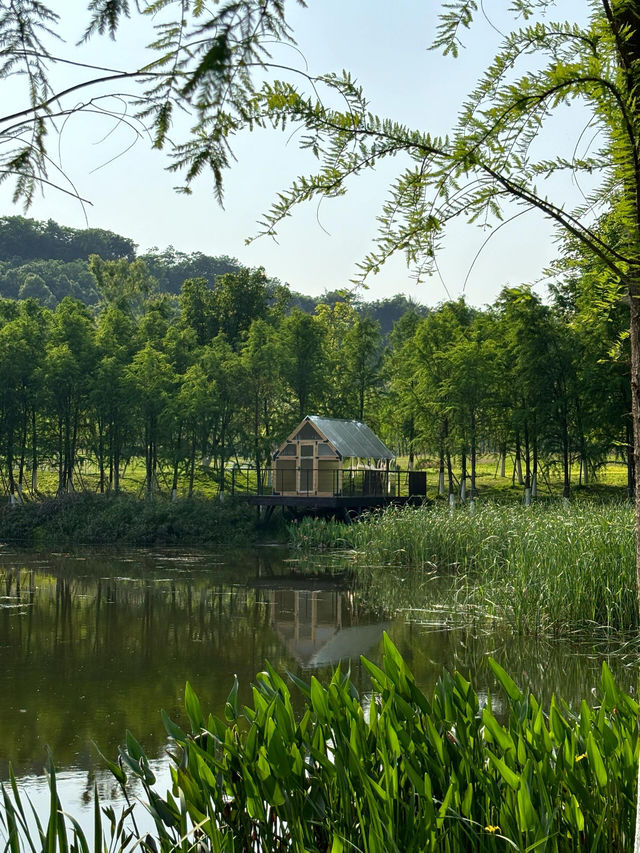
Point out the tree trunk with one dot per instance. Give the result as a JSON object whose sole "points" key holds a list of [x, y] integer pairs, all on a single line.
{"points": [[222, 457], [566, 469], [634, 334], [256, 432], [176, 462], [116, 459], [631, 472], [474, 453], [517, 465], [101, 454], [527, 457], [445, 434], [34, 453], [463, 477], [23, 450], [148, 458], [12, 484], [60, 456], [192, 463]]}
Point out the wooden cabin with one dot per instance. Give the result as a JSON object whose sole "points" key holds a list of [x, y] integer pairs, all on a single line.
{"points": [[316, 457]]}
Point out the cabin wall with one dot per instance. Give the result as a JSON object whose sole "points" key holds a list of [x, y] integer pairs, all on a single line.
{"points": [[329, 476], [307, 466]]}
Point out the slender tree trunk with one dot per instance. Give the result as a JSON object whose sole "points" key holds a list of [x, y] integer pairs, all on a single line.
{"points": [[101, 454], [34, 453], [503, 460], [566, 468], [441, 472], [634, 326], [116, 459], [60, 456], [474, 453], [110, 452], [527, 465], [174, 484], [256, 436], [192, 463], [463, 476], [631, 472], [534, 475], [584, 467], [12, 484], [527, 457], [23, 450], [223, 437], [148, 453], [445, 434], [73, 449], [517, 464]]}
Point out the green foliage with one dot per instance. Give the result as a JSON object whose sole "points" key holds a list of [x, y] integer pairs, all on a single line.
{"points": [[396, 770], [546, 569], [316, 533], [105, 519]]}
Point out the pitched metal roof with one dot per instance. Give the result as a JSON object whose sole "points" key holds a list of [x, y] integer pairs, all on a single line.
{"points": [[352, 438]]}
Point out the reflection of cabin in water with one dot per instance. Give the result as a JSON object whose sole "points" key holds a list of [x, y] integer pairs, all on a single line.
{"points": [[314, 459], [318, 628]]}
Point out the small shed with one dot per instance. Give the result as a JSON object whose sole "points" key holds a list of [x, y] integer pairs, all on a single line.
{"points": [[313, 459]]}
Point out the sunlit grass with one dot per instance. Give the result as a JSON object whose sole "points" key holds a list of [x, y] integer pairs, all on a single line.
{"points": [[545, 569]]}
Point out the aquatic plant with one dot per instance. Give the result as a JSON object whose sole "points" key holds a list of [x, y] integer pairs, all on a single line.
{"points": [[393, 770], [544, 569]]}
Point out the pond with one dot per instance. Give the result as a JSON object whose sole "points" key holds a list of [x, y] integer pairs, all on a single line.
{"points": [[96, 642]]}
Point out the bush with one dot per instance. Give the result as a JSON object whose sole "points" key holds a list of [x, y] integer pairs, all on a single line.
{"points": [[93, 519]]}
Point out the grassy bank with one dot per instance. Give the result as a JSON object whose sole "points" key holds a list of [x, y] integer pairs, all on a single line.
{"points": [[543, 569], [395, 771], [93, 519]]}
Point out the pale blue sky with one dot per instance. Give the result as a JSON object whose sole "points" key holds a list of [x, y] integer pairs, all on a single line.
{"points": [[385, 46]]}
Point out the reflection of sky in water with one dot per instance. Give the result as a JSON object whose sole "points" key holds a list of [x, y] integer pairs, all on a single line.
{"points": [[95, 643]]}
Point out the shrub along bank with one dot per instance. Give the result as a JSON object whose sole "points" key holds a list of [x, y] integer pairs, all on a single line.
{"points": [[395, 771], [94, 519]]}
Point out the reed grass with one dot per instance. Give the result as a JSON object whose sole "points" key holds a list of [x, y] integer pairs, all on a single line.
{"points": [[544, 569]]}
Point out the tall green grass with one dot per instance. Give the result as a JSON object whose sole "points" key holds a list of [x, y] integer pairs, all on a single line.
{"points": [[543, 569]]}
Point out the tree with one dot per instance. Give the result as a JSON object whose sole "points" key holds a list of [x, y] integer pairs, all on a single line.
{"points": [[126, 284], [69, 365], [362, 358], [183, 76], [152, 378], [261, 358], [488, 161], [304, 366]]}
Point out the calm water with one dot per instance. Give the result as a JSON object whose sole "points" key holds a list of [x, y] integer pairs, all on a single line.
{"points": [[93, 643]]}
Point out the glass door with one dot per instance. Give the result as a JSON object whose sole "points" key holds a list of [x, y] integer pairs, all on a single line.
{"points": [[306, 470]]}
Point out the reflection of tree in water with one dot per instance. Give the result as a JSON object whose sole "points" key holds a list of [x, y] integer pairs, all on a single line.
{"points": [[99, 647], [87, 656]]}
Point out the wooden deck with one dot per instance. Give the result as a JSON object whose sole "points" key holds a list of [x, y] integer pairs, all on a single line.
{"points": [[344, 506]]}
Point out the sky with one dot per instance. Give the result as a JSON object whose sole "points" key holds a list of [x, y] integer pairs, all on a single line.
{"points": [[386, 47]]}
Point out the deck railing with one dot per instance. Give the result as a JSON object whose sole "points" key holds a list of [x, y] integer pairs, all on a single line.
{"points": [[310, 482]]}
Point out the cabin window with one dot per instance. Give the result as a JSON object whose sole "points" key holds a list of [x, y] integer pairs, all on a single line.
{"points": [[307, 433], [306, 450], [326, 450], [289, 450]]}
